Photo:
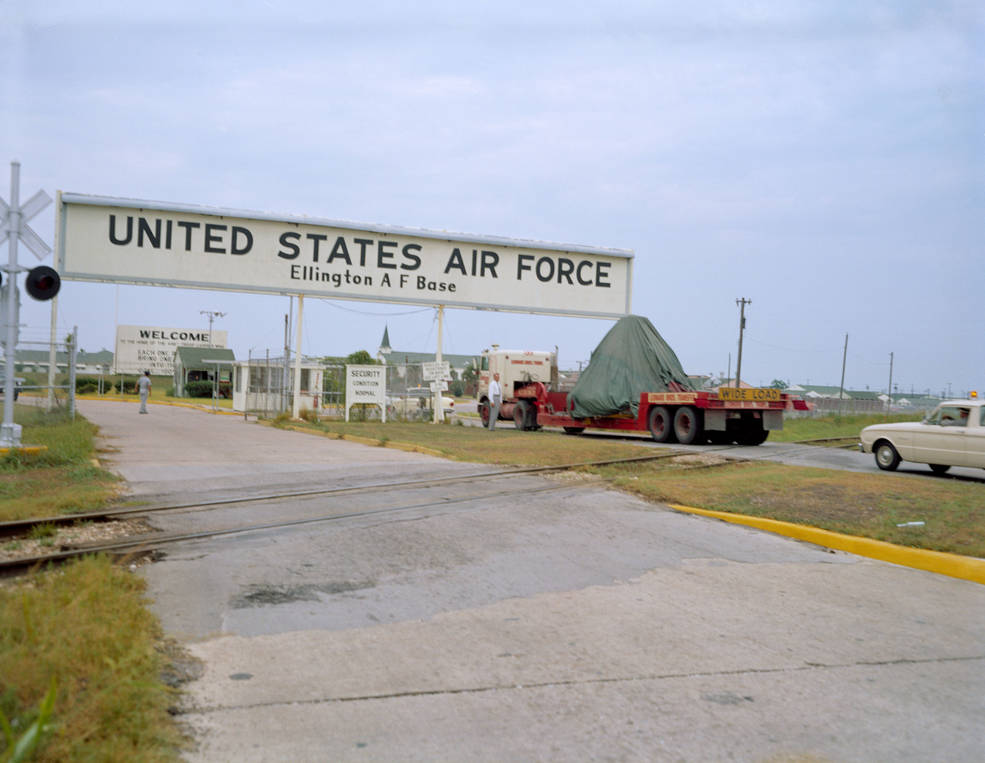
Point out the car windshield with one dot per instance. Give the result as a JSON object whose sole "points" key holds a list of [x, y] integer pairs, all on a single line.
{"points": [[949, 416]]}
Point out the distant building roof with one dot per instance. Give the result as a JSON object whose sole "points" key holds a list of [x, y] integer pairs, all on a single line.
{"points": [[197, 356], [401, 357]]}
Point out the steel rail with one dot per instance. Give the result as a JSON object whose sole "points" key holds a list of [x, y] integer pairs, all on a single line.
{"points": [[21, 526], [137, 547]]}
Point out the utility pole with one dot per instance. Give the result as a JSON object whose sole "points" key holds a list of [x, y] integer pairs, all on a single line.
{"points": [[213, 314], [889, 404], [742, 302], [841, 391]]}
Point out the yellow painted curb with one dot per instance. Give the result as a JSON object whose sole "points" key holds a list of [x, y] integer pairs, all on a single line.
{"points": [[953, 565], [31, 450]]}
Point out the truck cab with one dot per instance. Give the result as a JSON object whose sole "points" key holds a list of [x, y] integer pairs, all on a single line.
{"points": [[516, 369]]}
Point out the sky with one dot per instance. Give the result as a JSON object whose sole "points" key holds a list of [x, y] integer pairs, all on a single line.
{"points": [[825, 160]]}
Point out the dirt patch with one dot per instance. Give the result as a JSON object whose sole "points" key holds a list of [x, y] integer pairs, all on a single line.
{"points": [[698, 460]]}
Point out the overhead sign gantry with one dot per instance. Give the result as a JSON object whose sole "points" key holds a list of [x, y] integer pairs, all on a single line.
{"points": [[131, 241], [100, 238]]}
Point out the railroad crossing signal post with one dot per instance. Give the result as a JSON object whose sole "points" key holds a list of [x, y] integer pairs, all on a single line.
{"points": [[42, 283]]}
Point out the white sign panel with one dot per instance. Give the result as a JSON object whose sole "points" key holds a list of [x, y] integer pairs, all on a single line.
{"points": [[432, 371], [151, 348], [130, 241], [365, 384]]}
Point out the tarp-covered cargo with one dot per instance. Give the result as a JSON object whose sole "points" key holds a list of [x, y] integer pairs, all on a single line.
{"points": [[632, 358]]}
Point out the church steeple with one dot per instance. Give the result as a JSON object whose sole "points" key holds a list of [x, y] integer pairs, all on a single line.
{"points": [[383, 354]]}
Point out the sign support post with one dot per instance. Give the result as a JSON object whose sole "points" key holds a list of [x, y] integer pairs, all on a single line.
{"points": [[296, 402]]}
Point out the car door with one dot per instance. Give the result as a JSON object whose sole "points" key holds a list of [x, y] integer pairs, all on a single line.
{"points": [[975, 437], [943, 437]]}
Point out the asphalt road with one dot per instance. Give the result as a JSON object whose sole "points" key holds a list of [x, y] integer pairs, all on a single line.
{"points": [[569, 624], [788, 453]]}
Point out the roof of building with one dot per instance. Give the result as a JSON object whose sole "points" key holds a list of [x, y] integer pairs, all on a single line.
{"points": [[398, 357], [197, 356], [103, 357]]}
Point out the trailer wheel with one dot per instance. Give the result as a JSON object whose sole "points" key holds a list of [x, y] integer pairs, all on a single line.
{"points": [[484, 413], [520, 415], [574, 430], [661, 424], [687, 425]]}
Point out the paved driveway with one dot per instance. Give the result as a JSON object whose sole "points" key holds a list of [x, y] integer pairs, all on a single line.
{"points": [[574, 624]]}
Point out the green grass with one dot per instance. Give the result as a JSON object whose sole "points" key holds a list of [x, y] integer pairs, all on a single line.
{"points": [[62, 479], [502, 446], [86, 626], [806, 428], [867, 505]]}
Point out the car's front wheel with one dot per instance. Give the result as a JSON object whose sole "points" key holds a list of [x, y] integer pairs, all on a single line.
{"points": [[886, 457]]}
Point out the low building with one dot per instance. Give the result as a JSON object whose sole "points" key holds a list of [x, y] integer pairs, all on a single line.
{"points": [[264, 385], [192, 364]]}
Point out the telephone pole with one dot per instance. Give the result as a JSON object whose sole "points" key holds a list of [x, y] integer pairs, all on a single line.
{"points": [[213, 314], [741, 302], [889, 405], [841, 391]]}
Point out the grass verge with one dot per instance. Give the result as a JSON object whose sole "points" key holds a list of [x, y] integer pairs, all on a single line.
{"points": [[505, 447], [866, 505], [61, 479], [808, 428], [86, 626]]}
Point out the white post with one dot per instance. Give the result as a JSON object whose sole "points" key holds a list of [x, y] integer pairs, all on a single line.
{"points": [[439, 413], [10, 435], [296, 404], [52, 357]]}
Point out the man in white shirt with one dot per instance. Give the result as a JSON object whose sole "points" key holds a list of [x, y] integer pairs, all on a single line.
{"points": [[143, 386], [495, 401]]}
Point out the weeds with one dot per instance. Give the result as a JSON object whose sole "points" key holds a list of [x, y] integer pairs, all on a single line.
{"points": [[87, 625]]}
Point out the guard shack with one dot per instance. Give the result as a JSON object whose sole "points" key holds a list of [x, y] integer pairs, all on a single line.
{"points": [[266, 386], [210, 364]]}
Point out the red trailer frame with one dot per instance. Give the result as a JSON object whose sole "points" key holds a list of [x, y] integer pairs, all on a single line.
{"points": [[745, 415]]}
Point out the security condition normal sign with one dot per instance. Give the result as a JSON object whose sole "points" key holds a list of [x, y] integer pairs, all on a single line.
{"points": [[131, 241], [365, 384]]}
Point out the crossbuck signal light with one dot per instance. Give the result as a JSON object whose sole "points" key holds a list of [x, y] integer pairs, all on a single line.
{"points": [[43, 282]]}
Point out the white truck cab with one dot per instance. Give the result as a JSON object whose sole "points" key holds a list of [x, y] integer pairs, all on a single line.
{"points": [[515, 368]]}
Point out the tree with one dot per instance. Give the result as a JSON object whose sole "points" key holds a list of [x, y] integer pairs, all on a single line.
{"points": [[360, 358], [779, 384]]}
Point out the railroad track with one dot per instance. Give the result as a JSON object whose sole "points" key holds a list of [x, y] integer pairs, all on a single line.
{"points": [[149, 544]]}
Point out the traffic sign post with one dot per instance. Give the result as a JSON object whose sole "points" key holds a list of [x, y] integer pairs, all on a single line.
{"points": [[44, 285]]}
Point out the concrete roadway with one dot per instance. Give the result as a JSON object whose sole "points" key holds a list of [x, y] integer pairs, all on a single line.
{"points": [[578, 624]]}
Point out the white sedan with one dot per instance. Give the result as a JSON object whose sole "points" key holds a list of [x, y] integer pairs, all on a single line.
{"points": [[953, 435]]}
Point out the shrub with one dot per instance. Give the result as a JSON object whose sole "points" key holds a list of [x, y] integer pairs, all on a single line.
{"points": [[198, 389], [86, 384]]}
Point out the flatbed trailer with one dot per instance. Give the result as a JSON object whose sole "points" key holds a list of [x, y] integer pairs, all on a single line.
{"points": [[742, 415]]}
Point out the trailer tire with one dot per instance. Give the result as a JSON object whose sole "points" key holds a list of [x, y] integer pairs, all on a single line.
{"points": [[687, 425], [661, 424], [574, 430], [484, 413], [752, 433], [520, 415]]}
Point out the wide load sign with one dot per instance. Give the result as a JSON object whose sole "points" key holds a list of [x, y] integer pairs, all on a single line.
{"points": [[152, 348], [130, 241]]}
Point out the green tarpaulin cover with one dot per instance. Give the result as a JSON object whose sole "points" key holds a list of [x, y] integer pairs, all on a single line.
{"points": [[632, 358]]}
